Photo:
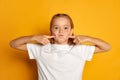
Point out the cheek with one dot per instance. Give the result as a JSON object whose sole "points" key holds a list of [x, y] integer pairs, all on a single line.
{"points": [[54, 33], [68, 33]]}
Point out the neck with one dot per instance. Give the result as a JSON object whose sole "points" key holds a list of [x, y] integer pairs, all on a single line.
{"points": [[66, 42]]}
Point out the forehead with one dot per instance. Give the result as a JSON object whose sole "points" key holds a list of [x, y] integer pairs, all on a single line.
{"points": [[61, 20]]}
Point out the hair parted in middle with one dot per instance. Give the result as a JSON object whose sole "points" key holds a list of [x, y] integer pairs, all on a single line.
{"points": [[70, 41]]}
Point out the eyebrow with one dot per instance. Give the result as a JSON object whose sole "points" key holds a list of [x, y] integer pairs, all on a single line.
{"points": [[58, 25], [66, 25], [55, 25]]}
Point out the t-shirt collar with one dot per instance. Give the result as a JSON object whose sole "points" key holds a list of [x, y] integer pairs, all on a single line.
{"points": [[61, 46]]}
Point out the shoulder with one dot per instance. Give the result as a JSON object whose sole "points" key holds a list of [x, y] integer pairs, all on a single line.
{"points": [[33, 45], [38, 45], [83, 47], [85, 51]]}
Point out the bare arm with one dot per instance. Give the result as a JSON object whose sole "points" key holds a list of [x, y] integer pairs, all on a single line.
{"points": [[100, 45], [20, 43]]}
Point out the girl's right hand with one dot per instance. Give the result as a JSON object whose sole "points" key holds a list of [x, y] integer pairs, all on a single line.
{"points": [[42, 39]]}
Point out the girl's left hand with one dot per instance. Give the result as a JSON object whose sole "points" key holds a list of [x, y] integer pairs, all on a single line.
{"points": [[79, 39]]}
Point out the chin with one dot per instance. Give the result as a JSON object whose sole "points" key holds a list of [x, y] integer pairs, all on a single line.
{"points": [[61, 41]]}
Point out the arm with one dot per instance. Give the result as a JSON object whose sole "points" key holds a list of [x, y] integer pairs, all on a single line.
{"points": [[20, 43], [100, 45]]}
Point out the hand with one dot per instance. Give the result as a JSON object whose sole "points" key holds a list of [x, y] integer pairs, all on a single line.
{"points": [[43, 39], [79, 39]]}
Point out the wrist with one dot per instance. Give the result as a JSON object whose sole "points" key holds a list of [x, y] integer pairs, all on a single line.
{"points": [[33, 38], [90, 39]]}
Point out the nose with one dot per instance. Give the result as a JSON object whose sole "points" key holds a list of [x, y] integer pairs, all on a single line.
{"points": [[61, 30]]}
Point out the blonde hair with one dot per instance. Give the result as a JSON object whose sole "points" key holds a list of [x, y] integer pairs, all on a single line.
{"points": [[70, 41]]}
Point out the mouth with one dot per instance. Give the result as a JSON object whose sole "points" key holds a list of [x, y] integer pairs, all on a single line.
{"points": [[61, 35]]}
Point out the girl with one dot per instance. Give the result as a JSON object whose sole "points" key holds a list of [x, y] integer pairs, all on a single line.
{"points": [[62, 55]]}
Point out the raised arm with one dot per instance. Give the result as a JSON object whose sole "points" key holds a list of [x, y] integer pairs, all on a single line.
{"points": [[100, 45], [20, 43]]}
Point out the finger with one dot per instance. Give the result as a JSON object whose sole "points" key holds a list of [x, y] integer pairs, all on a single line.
{"points": [[45, 42], [77, 42], [72, 37], [74, 40], [49, 37]]}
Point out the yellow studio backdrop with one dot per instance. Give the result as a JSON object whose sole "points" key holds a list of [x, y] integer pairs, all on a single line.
{"points": [[97, 18]]}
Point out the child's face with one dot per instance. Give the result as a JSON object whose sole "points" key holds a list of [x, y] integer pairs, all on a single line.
{"points": [[61, 29]]}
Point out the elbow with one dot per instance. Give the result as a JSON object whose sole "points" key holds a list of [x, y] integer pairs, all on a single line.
{"points": [[109, 47], [103, 49], [12, 44]]}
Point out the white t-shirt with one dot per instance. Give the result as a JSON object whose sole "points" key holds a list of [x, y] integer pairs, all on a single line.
{"points": [[60, 62]]}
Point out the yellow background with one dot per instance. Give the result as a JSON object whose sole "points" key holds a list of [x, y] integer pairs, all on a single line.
{"points": [[97, 18]]}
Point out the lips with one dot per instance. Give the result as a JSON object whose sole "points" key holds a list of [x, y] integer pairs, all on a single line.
{"points": [[61, 35]]}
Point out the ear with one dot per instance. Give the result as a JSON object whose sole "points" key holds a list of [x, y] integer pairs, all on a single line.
{"points": [[71, 32], [50, 32]]}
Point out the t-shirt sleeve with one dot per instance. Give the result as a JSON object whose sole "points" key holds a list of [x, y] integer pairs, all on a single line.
{"points": [[88, 52], [33, 50]]}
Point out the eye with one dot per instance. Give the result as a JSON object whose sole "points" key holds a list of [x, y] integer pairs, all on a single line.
{"points": [[66, 27], [55, 27]]}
